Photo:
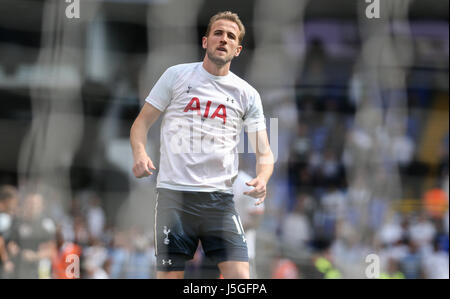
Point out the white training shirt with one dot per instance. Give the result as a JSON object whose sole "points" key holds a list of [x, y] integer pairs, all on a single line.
{"points": [[204, 116]]}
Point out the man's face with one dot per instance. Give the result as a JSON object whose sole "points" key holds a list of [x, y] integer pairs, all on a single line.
{"points": [[8, 205], [33, 205], [12, 205], [222, 43]]}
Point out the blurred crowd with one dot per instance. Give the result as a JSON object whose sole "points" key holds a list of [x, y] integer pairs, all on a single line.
{"points": [[354, 189], [38, 242]]}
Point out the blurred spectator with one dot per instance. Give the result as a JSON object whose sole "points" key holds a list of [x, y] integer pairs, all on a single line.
{"points": [[332, 171], [285, 269], [422, 232], [118, 254], [358, 196], [66, 263], [296, 230], [33, 239], [348, 250], [393, 271], [436, 263], [5, 263], [435, 202], [403, 148], [8, 202], [302, 143], [80, 232], [140, 263], [323, 260], [95, 259], [441, 236], [391, 232], [334, 205], [132, 256], [378, 208], [95, 217], [411, 264]]}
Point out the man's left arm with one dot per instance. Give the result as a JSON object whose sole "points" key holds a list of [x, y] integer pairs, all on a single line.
{"points": [[264, 165]]}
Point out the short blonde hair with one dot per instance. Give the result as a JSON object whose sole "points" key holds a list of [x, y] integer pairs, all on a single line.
{"points": [[227, 15]]}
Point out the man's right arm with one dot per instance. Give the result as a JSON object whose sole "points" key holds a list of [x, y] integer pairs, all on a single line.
{"points": [[142, 165]]}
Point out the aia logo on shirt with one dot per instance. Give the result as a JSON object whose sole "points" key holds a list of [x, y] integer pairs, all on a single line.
{"points": [[194, 105]]}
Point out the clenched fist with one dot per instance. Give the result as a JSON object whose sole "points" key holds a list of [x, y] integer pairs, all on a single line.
{"points": [[142, 167]]}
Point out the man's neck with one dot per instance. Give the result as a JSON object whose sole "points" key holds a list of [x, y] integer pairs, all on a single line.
{"points": [[214, 69]]}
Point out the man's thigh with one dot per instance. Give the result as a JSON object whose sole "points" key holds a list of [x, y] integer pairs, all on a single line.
{"points": [[175, 233], [222, 234]]}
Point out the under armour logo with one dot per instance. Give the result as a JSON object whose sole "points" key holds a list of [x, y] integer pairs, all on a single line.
{"points": [[167, 262], [166, 231], [189, 89]]}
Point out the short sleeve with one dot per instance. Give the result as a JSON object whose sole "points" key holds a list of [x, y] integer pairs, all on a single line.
{"points": [[161, 93], [254, 118]]}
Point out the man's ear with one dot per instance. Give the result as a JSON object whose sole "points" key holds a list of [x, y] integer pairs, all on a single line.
{"points": [[238, 51], [204, 42]]}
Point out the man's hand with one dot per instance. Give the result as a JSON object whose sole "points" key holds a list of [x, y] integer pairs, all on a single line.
{"points": [[142, 167], [259, 190]]}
